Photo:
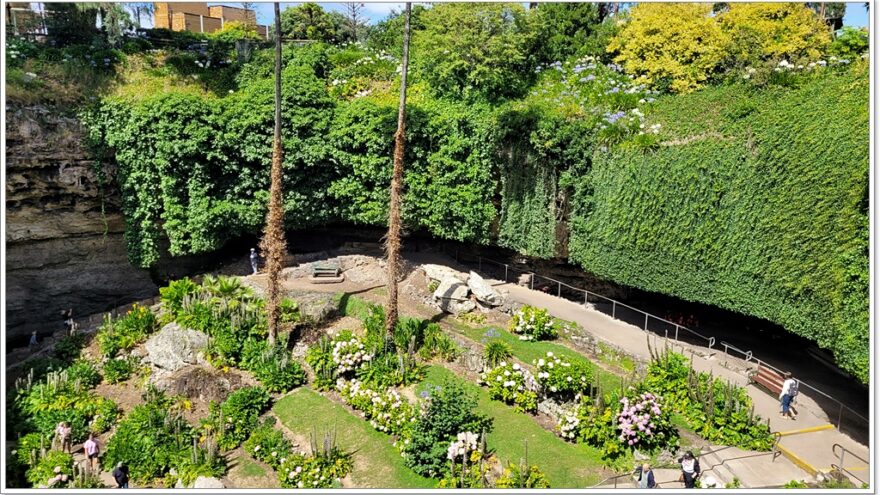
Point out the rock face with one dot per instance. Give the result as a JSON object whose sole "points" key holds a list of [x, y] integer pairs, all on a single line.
{"points": [[440, 272], [451, 288], [64, 245], [199, 382], [483, 291], [175, 347]]}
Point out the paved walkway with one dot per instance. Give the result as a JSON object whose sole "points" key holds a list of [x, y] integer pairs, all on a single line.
{"points": [[815, 448]]}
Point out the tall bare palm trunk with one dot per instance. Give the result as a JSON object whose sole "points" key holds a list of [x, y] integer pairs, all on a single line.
{"points": [[392, 242], [273, 244]]}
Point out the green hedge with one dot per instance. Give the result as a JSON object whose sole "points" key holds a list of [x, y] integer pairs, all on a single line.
{"points": [[756, 202]]}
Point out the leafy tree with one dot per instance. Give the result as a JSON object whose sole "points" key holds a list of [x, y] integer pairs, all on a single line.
{"points": [[354, 20], [388, 33], [850, 43], [392, 241], [308, 21], [235, 30], [69, 24], [476, 50], [762, 32], [830, 12], [670, 46], [565, 28]]}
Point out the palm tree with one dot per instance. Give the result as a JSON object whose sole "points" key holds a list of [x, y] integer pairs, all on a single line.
{"points": [[392, 242], [273, 244]]}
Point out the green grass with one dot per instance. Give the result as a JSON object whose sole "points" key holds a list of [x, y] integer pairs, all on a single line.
{"points": [[350, 305], [377, 463], [566, 465], [529, 351], [249, 468]]}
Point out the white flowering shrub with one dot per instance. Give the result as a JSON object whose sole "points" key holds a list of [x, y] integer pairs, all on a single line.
{"points": [[532, 323], [387, 411], [349, 355], [562, 379], [317, 471], [464, 445], [512, 384], [568, 424]]}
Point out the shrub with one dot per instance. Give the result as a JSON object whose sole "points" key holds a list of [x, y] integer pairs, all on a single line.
{"points": [[268, 444], [349, 355], [46, 467], [522, 476], [450, 410], [234, 419], [386, 410], [438, 344], [85, 372], [495, 352], [29, 448], [198, 461], [150, 440], [69, 348], [719, 412], [124, 333], [532, 323], [290, 312], [514, 385], [118, 369], [320, 358], [37, 368], [644, 423], [563, 379], [316, 471], [272, 365], [467, 466], [391, 370], [173, 296]]}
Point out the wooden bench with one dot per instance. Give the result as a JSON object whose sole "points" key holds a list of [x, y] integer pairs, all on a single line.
{"points": [[768, 379], [326, 273], [325, 270]]}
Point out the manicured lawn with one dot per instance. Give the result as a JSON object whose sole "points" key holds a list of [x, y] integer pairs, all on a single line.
{"points": [[248, 467], [528, 351], [566, 465], [377, 463]]}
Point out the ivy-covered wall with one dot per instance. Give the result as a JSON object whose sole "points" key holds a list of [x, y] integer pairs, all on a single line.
{"points": [[757, 202]]}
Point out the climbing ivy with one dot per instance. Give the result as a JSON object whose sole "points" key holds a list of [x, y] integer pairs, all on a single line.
{"points": [[757, 203]]}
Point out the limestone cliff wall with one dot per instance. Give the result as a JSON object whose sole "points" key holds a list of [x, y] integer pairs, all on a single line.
{"points": [[64, 245]]}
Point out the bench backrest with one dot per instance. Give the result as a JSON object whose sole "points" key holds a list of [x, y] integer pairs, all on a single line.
{"points": [[325, 269], [769, 379]]}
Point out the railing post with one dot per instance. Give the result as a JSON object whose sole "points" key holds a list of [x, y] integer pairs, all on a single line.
{"points": [[586, 295], [842, 453], [532, 281], [559, 292], [646, 322], [676, 332], [613, 308], [505, 273]]}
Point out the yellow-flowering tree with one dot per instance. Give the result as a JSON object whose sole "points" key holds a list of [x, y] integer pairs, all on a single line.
{"points": [[675, 46], [774, 31]]}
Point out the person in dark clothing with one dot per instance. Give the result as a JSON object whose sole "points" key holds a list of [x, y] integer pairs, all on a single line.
{"points": [[120, 474], [690, 469], [646, 477]]}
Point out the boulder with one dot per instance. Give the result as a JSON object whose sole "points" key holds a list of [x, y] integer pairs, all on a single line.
{"points": [[451, 288], [208, 482], [440, 272], [175, 347], [456, 307], [484, 292]]}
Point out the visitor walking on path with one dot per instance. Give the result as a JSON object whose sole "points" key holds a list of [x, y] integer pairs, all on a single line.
{"points": [[120, 474], [786, 395], [92, 450], [254, 260], [33, 342], [690, 469], [646, 477], [62, 434]]}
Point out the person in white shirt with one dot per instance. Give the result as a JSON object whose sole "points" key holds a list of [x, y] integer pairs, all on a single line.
{"points": [[789, 386]]}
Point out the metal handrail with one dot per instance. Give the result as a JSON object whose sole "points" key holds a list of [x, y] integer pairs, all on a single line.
{"points": [[748, 355], [843, 452], [587, 293]]}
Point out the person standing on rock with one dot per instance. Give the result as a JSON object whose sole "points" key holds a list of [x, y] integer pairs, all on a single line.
{"points": [[92, 450], [120, 474], [33, 342], [690, 469], [255, 258], [786, 395]]}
